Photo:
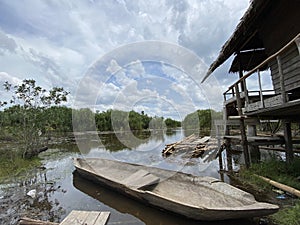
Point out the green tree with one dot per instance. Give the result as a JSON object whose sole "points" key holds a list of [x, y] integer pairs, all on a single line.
{"points": [[26, 117], [59, 119], [200, 119], [170, 123], [157, 123], [83, 120]]}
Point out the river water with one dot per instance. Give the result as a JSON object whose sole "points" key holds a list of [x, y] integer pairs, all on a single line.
{"points": [[59, 189]]}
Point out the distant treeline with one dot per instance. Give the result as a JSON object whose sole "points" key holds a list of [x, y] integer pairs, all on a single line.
{"points": [[200, 119], [60, 119]]}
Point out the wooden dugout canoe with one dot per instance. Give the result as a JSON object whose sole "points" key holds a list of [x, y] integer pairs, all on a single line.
{"points": [[199, 198]]}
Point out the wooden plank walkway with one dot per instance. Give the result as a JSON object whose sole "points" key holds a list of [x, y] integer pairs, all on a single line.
{"points": [[74, 218], [86, 217], [257, 140]]}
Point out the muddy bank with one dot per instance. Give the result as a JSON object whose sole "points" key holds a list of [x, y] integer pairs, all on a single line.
{"points": [[16, 203]]}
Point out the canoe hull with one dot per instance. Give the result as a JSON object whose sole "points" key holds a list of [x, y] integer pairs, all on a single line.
{"points": [[168, 204]]}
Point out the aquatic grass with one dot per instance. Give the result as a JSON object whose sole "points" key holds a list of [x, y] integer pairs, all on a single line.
{"points": [[16, 166], [288, 216]]}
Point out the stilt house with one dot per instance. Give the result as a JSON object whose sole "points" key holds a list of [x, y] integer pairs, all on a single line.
{"points": [[266, 39]]}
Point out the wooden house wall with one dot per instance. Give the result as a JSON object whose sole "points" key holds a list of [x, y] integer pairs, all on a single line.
{"points": [[290, 61]]}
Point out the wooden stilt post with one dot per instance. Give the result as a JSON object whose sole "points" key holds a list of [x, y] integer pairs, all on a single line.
{"points": [[288, 141], [227, 141], [218, 136], [254, 150], [228, 155], [244, 141]]}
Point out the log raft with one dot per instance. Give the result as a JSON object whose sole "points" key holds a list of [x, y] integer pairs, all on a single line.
{"points": [[191, 144]]}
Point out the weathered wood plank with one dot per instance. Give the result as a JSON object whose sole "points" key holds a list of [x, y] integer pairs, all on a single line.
{"points": [[203, 140], [102, 218], [290, 65], [140, 179], [28, 221], [170, 148], [91, 218], [86, 217], [282, 87], [75, 218], [256, 140], [297, 41]]}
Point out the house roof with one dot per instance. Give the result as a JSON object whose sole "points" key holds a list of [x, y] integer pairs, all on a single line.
{"points": [[249, 59], [245, 36]]}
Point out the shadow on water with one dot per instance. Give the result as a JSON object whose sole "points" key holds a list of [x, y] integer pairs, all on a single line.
{"points": [[147, 214]]}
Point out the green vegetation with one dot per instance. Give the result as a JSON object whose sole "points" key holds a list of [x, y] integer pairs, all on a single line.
{"points": [[17, 166], [59, 119], [200, 119], [276, 170], [117, 120], [281, 172], [172, 123], [288, 216], [25, 119]]}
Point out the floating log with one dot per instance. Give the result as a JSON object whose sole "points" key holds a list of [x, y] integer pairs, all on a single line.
{"points": [[280, 186], [35, 152], [28, 221]]}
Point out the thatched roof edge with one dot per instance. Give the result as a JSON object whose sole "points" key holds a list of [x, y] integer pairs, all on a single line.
{"points": [[240, 35]]}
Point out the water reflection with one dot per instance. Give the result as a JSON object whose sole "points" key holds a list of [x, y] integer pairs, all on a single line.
{"points": [[59, 193]]}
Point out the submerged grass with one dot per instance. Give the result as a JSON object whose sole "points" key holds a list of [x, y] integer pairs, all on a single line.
{"points": [[12, 164]]}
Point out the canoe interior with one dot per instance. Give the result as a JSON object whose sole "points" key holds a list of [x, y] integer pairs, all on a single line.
{"points": [[192, 193]]}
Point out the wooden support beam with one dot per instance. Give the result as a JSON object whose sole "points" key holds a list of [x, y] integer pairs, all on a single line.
{"points": [[241, 70], [228, 155], [254, 150], [262, 104], [288, 141], [281, 77], [242, 127], [297, 41]]}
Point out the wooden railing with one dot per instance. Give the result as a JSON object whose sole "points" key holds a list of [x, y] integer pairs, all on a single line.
{"points": [[234, 89]]}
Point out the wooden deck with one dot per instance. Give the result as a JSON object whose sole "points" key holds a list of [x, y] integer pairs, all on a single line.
{"points": [[257, 140], [86, 218], [74, 218]]}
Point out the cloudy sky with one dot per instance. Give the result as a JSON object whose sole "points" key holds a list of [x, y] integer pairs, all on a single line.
{"points": [[122, 54]]}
